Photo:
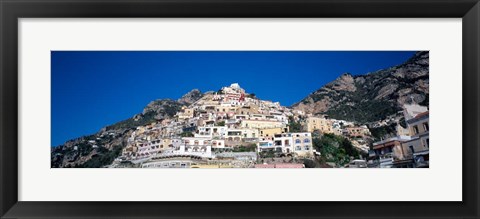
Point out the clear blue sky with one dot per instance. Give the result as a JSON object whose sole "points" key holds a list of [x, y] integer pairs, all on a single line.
{"points": [[92, 89]]}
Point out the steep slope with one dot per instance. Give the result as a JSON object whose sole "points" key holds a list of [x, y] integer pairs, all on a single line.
{"points": [[103, 147], [191, 97], [374, 96]]}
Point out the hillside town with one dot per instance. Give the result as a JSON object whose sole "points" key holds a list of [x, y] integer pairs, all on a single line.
{"points": [[234, 129]]}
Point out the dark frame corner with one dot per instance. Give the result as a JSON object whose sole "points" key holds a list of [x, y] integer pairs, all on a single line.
{"points": [[11, 10]]}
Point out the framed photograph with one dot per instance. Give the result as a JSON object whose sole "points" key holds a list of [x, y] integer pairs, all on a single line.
{"points": [[255, 109]]}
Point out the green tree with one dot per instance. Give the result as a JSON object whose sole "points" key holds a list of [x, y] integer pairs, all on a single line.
{"points": [[186, 134], [382, 131], [267, 154], [293, 125], [334, 148], [310, 163], [245, 148]]}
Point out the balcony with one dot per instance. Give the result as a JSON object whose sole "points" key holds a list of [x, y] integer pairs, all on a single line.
{"points": [[234, 133], [386, 158], [265, 144]]}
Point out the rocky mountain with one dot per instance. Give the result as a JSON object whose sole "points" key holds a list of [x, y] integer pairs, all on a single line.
{"points": [[373, 96], [362, 98], [191, 97], [103, 147]]}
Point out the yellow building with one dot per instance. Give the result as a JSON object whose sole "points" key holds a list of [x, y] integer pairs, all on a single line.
{"points": [[166, 143], [317, 123], [185, 113], [270, 132], [226, 108], [418, 147], [358, 132], [261, 124], [247, 110], [419, 125]]}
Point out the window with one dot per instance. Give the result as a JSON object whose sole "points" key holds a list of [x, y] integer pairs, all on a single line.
{"points": [[307, 148], [195, 142], [427, 142], [411, 149], [298, 148], [389, 149], [297, 141], [306, 140], [425, 126], [415, 129]]}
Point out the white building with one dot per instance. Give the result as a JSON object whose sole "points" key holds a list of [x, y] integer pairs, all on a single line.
{"points": [[302, 143], [283, 142], [196, 141], [211, 131], [265, 144], [201, 151]]}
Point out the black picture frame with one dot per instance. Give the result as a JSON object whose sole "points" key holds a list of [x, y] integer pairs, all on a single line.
{"points": [[12, 10]]}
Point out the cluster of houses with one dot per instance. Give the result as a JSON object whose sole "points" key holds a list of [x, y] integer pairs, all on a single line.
{"points": [[231, 128], [410, 148], [209, 132]]}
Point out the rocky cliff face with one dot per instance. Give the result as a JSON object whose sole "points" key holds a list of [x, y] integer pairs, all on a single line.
{"points": [[374, 96], [191, 97], [160, 109]]}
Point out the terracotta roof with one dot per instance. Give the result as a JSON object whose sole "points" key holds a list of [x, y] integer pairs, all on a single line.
{"points": [[264, 165], [280, 165], [289, 165], [421, 114]]}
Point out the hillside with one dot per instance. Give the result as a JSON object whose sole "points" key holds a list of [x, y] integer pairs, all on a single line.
{"points": [[103, 147], [374, 96], [368, 98]]}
